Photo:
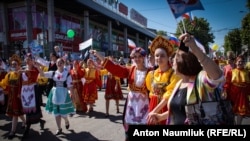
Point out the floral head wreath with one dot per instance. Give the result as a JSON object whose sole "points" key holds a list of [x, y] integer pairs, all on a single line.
{"points": [[161, 42], [16, 58]]}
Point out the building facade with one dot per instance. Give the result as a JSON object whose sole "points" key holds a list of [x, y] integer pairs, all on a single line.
{"points": [[39, 25]]}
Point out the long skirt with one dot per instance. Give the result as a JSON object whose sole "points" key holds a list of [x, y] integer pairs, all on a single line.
{"points": [[154, 101]]}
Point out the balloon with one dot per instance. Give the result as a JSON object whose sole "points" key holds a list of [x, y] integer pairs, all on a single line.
{"points": [[70, 33], [215, 47]]}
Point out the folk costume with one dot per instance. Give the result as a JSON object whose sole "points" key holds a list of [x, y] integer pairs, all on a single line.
{"points": [[92, 82], [237, 87], [12, 83], [31, 98], [77, 75], [137, 101], [161, 84], [29, 78], [42, 84], [59, 102], [104, 76], [113, 89]]}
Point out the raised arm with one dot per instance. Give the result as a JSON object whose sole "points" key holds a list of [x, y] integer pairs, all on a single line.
{"points": [[115, 69], [213, 70]]}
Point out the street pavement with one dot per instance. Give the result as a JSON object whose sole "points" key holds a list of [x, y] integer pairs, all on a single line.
{"points": [[83, 127]]}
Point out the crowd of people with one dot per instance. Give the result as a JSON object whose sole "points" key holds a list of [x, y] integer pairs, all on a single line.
{"points": [[159, 83]]}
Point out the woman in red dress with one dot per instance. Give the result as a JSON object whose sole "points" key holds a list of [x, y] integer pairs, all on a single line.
{"points": [[113, 91], [92, 82], [77, 74], [137, 101], [12, 81], [237, 87], [32, 110]]}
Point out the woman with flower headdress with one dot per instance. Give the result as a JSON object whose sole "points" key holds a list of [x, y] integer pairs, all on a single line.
{"points": [[197, 72], [13, 82], [161, 81], [137, 101]]}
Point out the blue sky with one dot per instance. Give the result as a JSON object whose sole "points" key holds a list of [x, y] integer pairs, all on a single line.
{"points": [[222, 15]]}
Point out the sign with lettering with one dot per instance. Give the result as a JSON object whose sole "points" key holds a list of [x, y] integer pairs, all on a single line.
{"points": [[136, 16]]}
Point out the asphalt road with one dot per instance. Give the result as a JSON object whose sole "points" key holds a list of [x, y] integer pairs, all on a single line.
{"points": [[83, 127]]}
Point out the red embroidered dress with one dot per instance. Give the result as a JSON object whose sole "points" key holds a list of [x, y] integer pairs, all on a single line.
{"points": [[137, 103], [77, 74], [237, 87], [13, 82]]}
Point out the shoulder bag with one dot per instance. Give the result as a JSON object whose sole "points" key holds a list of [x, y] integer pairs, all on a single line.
{"points": [[217, 112]]}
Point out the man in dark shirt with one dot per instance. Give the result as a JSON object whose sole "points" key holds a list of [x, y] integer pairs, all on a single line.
{"points": [[52, 67]]}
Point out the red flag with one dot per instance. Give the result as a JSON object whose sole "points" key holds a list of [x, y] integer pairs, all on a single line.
{"points": [[180, 7]]}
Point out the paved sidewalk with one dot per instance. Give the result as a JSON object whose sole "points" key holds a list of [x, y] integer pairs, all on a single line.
{"points": [[83, 127]]}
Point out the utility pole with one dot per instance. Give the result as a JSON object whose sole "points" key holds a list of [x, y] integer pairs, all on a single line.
{"points": [[43, 31]]}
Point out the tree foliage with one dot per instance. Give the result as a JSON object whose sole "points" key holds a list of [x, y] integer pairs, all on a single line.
{"points": [[161, 32], [245, 32], [237, 38], [232, 41], [200, 28]]}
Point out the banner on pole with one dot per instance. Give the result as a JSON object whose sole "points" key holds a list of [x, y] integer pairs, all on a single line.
{"points": [[86, 44]]}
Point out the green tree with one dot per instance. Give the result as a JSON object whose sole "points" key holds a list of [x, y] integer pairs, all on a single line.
{"points": [[161, 32], [233, 42], [245, 32], [200, 28]]}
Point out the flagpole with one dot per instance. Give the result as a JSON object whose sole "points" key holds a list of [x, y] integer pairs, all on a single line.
{"points": [[185, 31], [179, 26]]}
